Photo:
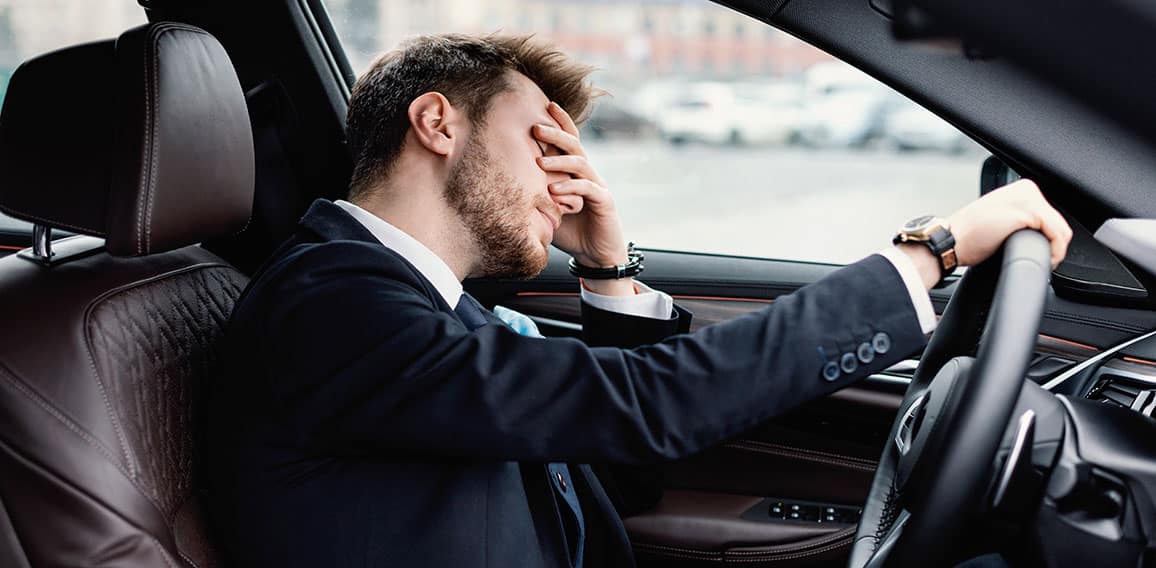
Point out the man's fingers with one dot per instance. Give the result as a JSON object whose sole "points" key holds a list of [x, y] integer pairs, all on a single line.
{"points": [[563, 118], [1045, 219], [1043, 216], [584, 188], [1056, 229], [590, 193], [569, 204], [983, 224], [577, 166], [1026, 187], [564, 141], [1051, 223]]}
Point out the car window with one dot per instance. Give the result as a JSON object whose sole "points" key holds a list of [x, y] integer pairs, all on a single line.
{"points": [[721, 134], [31, 27]]}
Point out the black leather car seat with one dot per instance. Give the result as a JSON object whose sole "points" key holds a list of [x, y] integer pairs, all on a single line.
{"points": [[144, 143]]}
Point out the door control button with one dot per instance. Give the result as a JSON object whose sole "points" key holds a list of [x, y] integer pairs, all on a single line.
{"points": [[802, 511]]}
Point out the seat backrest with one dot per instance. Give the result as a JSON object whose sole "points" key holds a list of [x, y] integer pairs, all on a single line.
{"points": [[106, 345]]}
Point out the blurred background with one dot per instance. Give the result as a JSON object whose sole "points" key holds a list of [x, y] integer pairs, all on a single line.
{"points": [[721, 134]]}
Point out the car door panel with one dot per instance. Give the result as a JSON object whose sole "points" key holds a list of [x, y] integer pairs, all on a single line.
{"points": [[823, 453], [690, 528]]}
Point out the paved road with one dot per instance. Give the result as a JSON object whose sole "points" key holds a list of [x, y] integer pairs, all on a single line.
{"points": [[778, 202]]}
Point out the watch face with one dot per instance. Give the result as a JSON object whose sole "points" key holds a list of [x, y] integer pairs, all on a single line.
{"points": [[918, 224]]}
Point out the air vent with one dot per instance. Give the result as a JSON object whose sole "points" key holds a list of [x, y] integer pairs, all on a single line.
{"points": [[1119, 391]]}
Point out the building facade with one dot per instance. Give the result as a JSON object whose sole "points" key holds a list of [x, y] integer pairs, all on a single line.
{"points": [[631, 39]]}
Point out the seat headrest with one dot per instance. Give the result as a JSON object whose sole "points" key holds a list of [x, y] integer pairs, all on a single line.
{"points": [[143, 140]]}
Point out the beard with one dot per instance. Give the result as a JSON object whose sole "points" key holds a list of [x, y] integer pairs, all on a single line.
{"points": [[493, 208]]}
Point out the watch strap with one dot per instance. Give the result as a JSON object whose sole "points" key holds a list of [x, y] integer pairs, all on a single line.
{"points": [[942, 244], [940, 241]]}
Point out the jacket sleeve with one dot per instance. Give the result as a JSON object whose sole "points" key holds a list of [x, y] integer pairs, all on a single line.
{"points": [[631, 488], [602, 328], [358, 359]]}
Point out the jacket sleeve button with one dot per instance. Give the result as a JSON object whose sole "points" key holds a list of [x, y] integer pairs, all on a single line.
{"points": [[848, 363], [831, 371], [866, 352], [881, 342]]}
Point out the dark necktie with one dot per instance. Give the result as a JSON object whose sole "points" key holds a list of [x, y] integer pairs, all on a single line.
{"points": [[565, 497], [470, 312]]}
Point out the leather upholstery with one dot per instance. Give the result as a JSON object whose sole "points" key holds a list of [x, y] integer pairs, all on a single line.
{"points": [[104, 357], [160, 158], [97, 402]]}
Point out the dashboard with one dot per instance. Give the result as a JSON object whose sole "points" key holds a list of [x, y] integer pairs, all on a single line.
{"points": [[1098, 475]]}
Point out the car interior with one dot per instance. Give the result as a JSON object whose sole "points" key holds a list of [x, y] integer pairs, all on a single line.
{"points": [[1024, 429]]}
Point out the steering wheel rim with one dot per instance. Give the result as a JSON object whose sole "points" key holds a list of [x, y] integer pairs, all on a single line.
{"points": [[934, 473]]}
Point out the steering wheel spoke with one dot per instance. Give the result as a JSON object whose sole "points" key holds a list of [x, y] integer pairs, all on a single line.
{"points": [[905, 434]]}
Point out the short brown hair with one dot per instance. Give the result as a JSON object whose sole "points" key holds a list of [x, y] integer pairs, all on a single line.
{"points": [[469, 70]]}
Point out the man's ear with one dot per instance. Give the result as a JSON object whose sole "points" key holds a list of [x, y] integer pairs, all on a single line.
{"points": [[436, 123]]}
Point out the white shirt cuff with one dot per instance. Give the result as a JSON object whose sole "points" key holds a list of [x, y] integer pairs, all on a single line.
{"points": [[647, 303], [920, 298]]}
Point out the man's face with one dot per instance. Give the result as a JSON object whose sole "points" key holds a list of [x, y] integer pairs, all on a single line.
{"points": [[498, 190]]}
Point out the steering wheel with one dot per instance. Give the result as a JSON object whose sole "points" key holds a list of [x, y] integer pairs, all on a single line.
{"points": [[933, 478]]}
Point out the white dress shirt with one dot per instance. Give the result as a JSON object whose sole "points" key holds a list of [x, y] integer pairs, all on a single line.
{"points": [[920, 299], [646, 303]]}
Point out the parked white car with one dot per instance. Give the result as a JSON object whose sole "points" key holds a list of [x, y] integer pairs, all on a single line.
{"points": [[843, 106], [721, 113]]}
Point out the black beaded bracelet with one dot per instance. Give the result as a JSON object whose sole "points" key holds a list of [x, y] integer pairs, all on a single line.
{"points": [[632, 267]]}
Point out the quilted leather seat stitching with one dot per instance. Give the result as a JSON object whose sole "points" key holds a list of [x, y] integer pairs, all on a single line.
{"points": [[154, 345]]}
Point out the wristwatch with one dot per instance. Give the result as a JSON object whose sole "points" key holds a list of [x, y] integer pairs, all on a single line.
{"points": [[936, 234]]}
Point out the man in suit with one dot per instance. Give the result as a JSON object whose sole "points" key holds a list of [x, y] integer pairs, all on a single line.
{"points": [[374, 415]]}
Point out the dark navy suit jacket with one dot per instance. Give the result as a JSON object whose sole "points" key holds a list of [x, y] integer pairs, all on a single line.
{"points": [[361, 423]]}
